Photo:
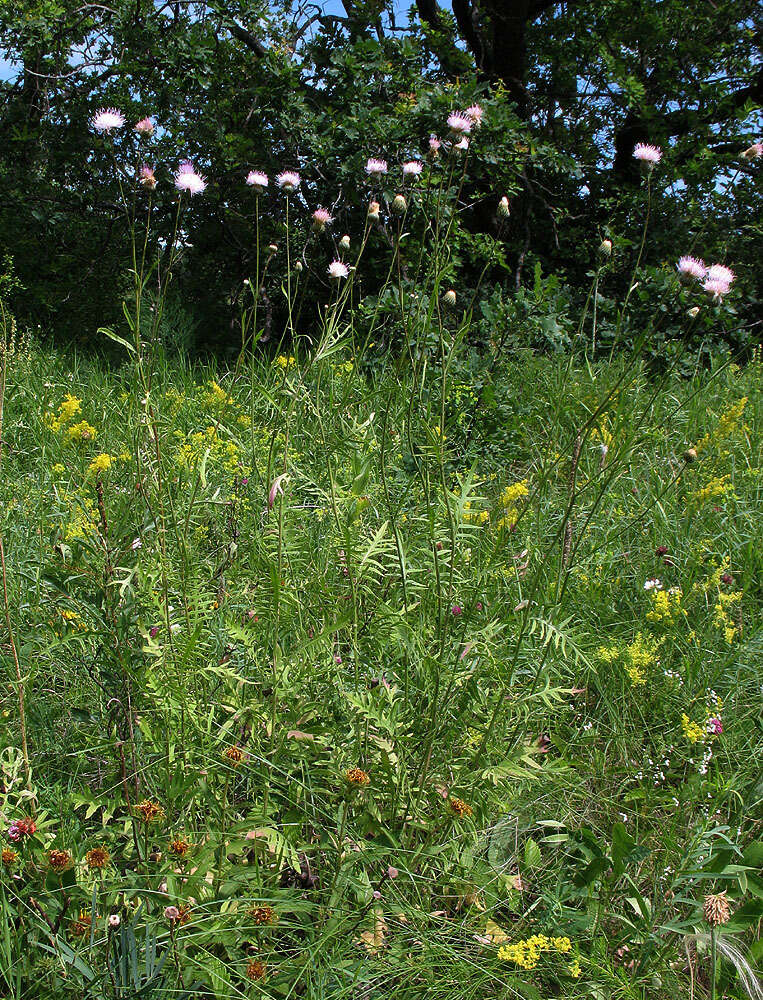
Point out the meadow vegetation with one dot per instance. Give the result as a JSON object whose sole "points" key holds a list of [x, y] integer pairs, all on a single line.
{"points": [[392, 658]]}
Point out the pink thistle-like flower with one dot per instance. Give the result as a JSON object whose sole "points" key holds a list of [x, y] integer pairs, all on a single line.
{"points": [[716, 287], [715, 726], [376, 168], [321, 218], [144, 127], [691, 267], [258, 180], [107, 119], [288, 181], [147, 177], [275, 489], [188, 179], [434, 146], [171, 913], [459, 123], [719, 272], [753, 152], [462, 144], [651, 155], [338, 269], [457, 610], [412, 168], [14, 831], [475, 113]]}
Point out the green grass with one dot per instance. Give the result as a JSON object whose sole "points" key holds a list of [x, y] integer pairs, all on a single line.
{"points": [[399, 612]]}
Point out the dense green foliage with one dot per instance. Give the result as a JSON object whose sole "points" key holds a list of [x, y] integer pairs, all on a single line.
{"points": [[568, 90]]}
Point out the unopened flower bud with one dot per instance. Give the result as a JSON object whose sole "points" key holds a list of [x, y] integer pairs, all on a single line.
{"points": [[503, 208], [344, 243], [273, 248], [690, 455], [399, 204], [449, 298], [298, 267], [373, 211], [605, 248], [114, 921], [693, 312]]}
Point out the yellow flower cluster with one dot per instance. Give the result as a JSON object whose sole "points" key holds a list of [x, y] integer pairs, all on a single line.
{"points": [[101, 463], [527, 951], [713, 489], [727, 424], [666, 607], [722, 618], [509, 498], [66, 410], [472, 516], [196, 446], [217, 397], [83, 520], [694, 732], [636, 657], [285, 362], [83, 431]]}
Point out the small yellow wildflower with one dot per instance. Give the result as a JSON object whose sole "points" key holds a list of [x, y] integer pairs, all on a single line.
{"points": [[101, 463]]}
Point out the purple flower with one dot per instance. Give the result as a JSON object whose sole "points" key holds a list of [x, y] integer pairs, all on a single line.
{"points": [[457, 610]]}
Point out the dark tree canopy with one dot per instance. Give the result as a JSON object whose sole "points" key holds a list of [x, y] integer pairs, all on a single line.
{"points": [[568, 89]]}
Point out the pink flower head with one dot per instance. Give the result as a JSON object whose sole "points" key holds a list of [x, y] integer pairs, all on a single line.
{"points": [[188, 179], [716, 287], [753, 152], [462, 144], [459, 123], [288, 181], [457, 610], [144, 127], [691, 267], [392, 872], [107, 119], [147, 177], [338, 269], [475, 113], [651, 155], [258, 180], [171, 913], [715, 726], [275, 489], [434, 145], [14, 833], [719, 272], [322, 218], [412, 168], [376, 168]]}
